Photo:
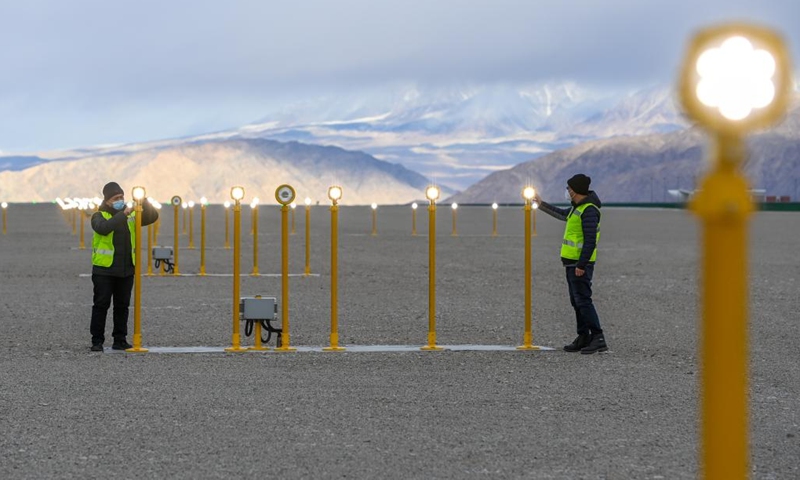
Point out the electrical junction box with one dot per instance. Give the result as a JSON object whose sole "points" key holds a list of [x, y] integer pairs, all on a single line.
{"points": [[258, 308], [162, 253]]}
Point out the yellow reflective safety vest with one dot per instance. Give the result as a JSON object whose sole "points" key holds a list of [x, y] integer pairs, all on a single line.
{"points": [[103, 245], [572, 244]]}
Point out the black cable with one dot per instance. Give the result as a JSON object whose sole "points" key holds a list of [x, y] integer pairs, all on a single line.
{"points": [[248, 328]]}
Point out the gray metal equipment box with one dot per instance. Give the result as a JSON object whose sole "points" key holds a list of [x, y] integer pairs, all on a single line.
{"points": [[162, 253], [258, 308]]}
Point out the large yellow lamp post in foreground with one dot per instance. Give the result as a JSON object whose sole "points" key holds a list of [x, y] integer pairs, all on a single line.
{"points": [[138, 195], [237, 194], [334, 194], [735, 79], [528, 194], [432, 194]]}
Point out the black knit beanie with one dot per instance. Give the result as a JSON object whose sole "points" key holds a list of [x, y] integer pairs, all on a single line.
{"points": [[580, 184], [111, 189]]}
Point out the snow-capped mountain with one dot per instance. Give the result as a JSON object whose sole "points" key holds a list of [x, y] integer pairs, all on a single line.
{"points": [[459, 135]]}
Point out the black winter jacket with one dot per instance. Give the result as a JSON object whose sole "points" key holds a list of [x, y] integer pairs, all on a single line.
{"points": [[590, 223], [122, 265]]}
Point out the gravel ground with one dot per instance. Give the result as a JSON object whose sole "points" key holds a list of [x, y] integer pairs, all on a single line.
{"points": [[630, 413]]}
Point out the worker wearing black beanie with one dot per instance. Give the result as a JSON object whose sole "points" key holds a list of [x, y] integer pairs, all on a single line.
{"points": [[578, 254]]}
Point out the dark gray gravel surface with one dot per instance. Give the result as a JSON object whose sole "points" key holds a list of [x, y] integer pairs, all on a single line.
{"points": [[630, 413]]}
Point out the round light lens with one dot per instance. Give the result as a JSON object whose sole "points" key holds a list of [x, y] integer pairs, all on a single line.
{"points": [[237, 193], [432, 193]]}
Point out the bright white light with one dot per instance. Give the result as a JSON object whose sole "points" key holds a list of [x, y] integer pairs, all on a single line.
{"points": [[308, 201], [255, 201], [454, 205], [237, 193], [432, 193], [528, 193], [335, 193], [414, 205], [374, 206], [191, 203], [293, 205], [203, 201], [4, 205], [735, 78], [227, 204], [138, 193], [184, 205], [129, 205], [494, 206], [535, 205]]}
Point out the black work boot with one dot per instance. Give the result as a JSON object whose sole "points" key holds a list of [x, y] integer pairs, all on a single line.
{"points": [[121, 344], [597, 344], [580, 342], [97, 347]]}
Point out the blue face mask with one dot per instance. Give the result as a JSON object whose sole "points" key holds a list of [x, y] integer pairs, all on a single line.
{"points": [[118, 205]]}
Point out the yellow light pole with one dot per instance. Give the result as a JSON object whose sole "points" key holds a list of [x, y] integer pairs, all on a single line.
{"points": [[4, 206], [335, 194], [138, 198], [293, 206], [74, 221], [414, 219], [191, 224], [494, 219], [535, 208], [81, 245], [176, 205], [308, 237], [203, 204], [735, 79], [185, 207], [285, 194], [528, 194], [227, 205], [454, 207], [150, 250], [237, 194], [374, 219], [254, 209], [432, 194]]}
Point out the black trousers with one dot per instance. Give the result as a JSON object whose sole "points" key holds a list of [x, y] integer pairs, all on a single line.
{"points": [[107, 288], [580, 296]]}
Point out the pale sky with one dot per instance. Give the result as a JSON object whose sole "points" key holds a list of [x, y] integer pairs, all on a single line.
{"points": [[85, 72]]}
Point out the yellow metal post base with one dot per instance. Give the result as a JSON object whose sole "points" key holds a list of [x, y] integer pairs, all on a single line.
{"points": [[285, 349], [235, 349], [257, 349], [334, 349], [527, 347], [431, 348], [137, 350], [255, 273]]}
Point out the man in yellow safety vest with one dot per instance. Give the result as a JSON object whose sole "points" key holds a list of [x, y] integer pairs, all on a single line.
{"points": [[113, 259], [578, 254]]}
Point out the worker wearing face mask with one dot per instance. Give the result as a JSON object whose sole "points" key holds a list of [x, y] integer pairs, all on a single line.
{"points": [[113, 263], [578, 254]]}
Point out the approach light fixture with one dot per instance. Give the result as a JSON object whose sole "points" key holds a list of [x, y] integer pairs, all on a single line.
{"points": [[308, 201], [736, 78], [237, 193], [335, 194], [432, 193], [414, 206], [528, 193], [494, 206]]}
